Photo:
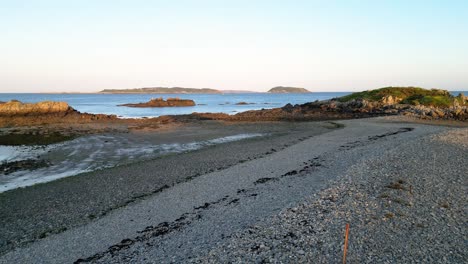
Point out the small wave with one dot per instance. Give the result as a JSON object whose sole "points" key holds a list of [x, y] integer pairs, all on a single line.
{"points": [[77, 156]]}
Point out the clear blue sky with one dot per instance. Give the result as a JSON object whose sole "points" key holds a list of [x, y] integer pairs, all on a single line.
{"points": [[251, 45]]}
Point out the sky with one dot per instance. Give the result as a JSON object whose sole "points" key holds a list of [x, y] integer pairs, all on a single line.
{"points": [[90, 45]]}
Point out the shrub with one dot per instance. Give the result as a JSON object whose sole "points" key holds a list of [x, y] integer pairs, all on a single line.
{"points": [[409, 95]]}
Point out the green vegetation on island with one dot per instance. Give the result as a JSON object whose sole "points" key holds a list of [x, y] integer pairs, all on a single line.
{"points": [[163, 90], [160, 102], [409, 95], [282, 89]]}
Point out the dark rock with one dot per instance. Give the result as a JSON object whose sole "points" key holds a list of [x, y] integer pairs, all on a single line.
{"points": [[288, 108], [29, 164], [160, 102]]}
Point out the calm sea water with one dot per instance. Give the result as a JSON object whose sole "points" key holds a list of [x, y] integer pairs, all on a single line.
{"points": [[220, 103], [214, 103]]}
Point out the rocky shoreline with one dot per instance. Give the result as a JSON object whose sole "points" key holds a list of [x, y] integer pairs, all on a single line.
{"points": [[356, 108], [406, 101]]}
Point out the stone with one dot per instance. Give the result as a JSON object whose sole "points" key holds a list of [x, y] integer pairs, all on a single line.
{"points": [[288, 108]]}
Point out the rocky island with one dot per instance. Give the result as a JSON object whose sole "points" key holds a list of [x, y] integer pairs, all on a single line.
{"points": [[162, 90], [160, 102], [282, 89]]}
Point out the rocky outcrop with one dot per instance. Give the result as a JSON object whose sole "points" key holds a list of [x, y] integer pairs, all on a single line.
{"points": [[160, 102], [461, 99], [15, 108], [16, 113], [356, 108], [334, 109], [424, 112], [412, 101], [390, 100]]}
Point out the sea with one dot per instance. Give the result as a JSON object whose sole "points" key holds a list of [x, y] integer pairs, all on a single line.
{"points": [[213, 103]]}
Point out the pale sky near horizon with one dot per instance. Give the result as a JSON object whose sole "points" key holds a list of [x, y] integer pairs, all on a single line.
{"points": [[87, 46]]}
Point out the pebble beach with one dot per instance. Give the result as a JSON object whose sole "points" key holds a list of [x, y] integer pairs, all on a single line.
{"points": [[287, 198]]}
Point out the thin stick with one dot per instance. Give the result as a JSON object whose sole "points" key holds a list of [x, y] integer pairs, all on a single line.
{"points": [[345, 243]]}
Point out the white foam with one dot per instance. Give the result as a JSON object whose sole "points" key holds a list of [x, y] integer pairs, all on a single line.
{"points": [[8, 153], [92, 156], [14, 153]]}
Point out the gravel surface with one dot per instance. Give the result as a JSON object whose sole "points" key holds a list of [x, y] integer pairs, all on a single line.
{"points": [[33, 213], [401, 187], [406, 205]]}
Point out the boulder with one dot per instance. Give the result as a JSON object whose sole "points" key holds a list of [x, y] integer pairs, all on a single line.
{"points": [[390, 100], [288, 108], [437, 113], [14, 107]]}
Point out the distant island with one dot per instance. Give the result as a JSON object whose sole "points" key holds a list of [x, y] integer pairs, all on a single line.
{"points": [[162, 90], [182, 90], [282, 89]]}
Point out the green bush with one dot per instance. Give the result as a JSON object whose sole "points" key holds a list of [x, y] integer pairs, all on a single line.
{"points": [[410, 95], [438, 100]]}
